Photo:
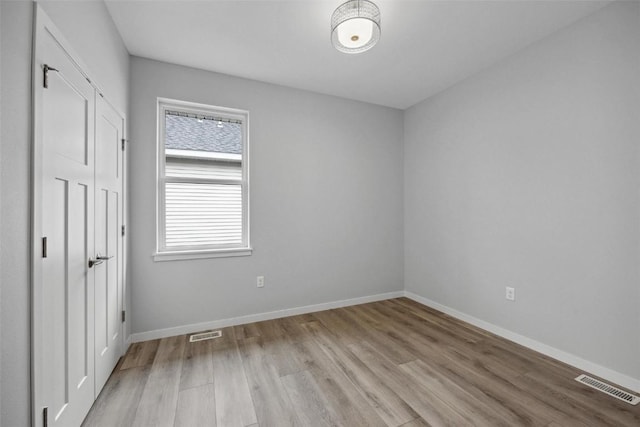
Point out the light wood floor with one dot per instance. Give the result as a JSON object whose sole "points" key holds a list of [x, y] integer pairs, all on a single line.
{"points": [[390, 363]]}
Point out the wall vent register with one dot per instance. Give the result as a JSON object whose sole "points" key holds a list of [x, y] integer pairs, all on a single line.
{"points": [[203, 336], [608, 389]]}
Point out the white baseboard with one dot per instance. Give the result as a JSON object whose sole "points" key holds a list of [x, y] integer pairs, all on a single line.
{"points": [[568, 358], [223, 323]]}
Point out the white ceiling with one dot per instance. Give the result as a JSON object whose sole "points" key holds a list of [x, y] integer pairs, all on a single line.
{"points": [[426, 46]]}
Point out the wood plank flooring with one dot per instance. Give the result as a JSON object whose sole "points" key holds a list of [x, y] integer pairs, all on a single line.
{"points": [[388, 363]]}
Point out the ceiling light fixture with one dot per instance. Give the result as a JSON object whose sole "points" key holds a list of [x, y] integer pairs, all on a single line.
{"points": [[355, 26]]}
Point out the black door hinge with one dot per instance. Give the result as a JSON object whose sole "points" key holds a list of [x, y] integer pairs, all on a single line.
{"points": [[123, 231], [123, 316], [46, 70], [123, 142], [45, 416], [44, 247]]}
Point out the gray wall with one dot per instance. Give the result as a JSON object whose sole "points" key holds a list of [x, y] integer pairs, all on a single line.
{"points": [[527, 175], [15, 105], [85, 25], [326, 202]]}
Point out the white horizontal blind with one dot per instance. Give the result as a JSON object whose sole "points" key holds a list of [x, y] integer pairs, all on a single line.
{"points": [[203, 214], [188, 168]]}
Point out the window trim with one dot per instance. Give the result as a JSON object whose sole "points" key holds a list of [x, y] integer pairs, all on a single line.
{"points": [[164, 253]]}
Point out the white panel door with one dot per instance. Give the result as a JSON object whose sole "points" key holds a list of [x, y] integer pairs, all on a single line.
{"points": [[67, 298], [108, 241]]}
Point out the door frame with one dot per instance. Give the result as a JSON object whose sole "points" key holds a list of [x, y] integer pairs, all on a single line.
{"points": [[42, 24]]}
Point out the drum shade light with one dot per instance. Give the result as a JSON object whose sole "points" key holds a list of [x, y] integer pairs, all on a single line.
{"points": [[355, 26]]}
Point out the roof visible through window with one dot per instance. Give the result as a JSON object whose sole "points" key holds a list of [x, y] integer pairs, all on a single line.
{"points": [[202, 134]]}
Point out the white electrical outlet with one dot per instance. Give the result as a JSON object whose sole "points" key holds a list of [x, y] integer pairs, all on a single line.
{"points": [[510, 293], [260, 281]]}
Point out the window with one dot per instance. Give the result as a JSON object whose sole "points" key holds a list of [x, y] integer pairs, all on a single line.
{"points": [[203, 181]]}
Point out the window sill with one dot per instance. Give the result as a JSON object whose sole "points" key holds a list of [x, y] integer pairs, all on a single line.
{"points": [[210, 253]]}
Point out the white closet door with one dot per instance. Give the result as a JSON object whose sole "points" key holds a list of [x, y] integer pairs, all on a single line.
{"points": [[67, 223], [108, 241]]}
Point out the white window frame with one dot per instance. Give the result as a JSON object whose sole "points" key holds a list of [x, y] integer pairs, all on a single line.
{"points": [[163, 253]]}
